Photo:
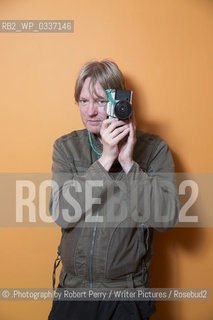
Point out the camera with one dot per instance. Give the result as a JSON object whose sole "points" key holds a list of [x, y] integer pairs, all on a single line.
{"points": [[119, 104]]}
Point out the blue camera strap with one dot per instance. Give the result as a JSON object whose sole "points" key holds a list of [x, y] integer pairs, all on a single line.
{"points": [[92, 146], [109, 96]]}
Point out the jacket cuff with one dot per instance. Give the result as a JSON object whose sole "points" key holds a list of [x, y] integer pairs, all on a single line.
{"points": [[135, 169], [99, 171]]}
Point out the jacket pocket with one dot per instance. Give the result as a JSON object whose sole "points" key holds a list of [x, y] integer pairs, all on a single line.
{"points": [[146, 237], [68, 245], [126, 250], [62, 278]]}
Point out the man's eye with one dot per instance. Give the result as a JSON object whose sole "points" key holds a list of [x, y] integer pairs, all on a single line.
{"points": [[102, 102], [83, 101]]}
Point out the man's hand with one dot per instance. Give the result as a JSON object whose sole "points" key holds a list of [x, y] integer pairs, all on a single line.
{"points": [[112, 132], [126, 147]]}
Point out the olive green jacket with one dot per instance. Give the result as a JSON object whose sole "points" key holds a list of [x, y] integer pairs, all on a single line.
{"points": [[108, 218]]}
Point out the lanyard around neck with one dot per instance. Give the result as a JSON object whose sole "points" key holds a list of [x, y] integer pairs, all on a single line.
{"points": [[92, 146]]}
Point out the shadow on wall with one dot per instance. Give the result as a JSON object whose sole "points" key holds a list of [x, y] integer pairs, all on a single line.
{"points": [[165, 268], [140, 107], [166, 273]]}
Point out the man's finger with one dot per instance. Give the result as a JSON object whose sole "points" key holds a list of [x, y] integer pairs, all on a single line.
{"points": [[118, 130], [121, 135], [115, 124]]}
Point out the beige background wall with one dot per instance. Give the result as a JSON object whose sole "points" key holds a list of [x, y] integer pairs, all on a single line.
{"points": [[165, 50]]}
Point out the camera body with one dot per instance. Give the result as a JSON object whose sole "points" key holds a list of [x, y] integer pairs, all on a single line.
{"points": [[119, 104]]}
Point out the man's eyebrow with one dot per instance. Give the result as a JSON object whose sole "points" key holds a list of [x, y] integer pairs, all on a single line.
{"points": [[95, 98], [100, 97], [83, 98]]}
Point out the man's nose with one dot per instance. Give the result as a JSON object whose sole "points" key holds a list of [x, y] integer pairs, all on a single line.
{"points": [[92, 110]]}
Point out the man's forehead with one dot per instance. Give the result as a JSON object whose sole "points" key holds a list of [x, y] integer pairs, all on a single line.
{"points": [[91, 89]]}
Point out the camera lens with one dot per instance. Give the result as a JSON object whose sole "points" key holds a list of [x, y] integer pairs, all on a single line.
{"points": [[123, 110]]}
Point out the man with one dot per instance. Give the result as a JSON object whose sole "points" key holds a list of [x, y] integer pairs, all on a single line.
{"points": [[112, 185]]}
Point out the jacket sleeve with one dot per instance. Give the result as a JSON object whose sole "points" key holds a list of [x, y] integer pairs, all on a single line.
{"points": [[73, 194], [156, 202]]}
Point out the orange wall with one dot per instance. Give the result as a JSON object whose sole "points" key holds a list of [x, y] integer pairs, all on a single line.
{"points": [[165, 50]]}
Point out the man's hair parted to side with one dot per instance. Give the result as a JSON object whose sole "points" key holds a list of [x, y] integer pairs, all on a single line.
{"points": [[106, 72]]}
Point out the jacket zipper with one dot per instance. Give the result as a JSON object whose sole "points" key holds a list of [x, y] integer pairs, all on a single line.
{"points": [[146, 240], [92, 253], [146, 230]]}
